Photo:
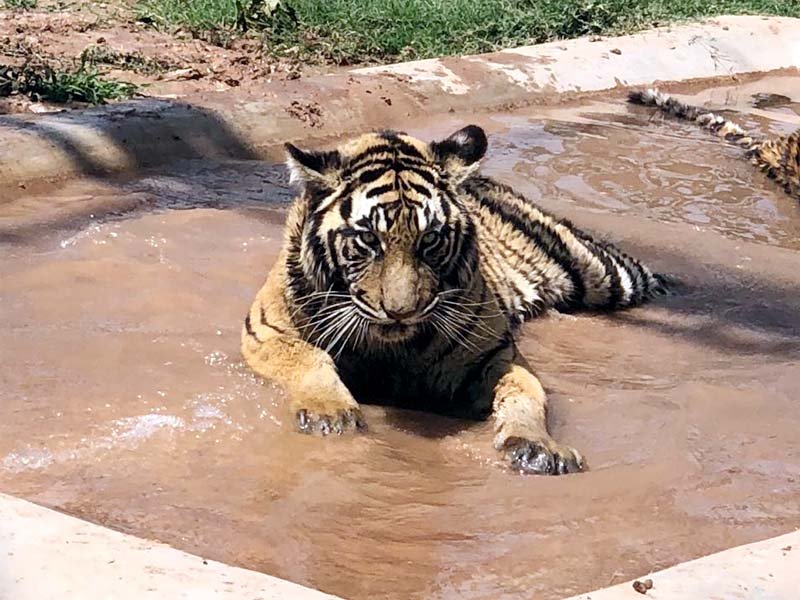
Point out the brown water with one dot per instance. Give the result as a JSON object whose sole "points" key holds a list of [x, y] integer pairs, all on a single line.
{"points": [[124, 400]]}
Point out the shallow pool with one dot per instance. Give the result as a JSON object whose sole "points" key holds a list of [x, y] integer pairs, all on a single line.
{"points": [[125, 402]]}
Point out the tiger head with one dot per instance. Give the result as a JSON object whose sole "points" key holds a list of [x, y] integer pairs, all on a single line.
{"points": [[385, 234]]}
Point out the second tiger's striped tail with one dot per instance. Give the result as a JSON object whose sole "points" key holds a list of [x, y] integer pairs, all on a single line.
{"points": [[717, 124]]}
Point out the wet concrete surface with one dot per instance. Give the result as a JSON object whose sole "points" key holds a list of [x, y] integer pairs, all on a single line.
{"points": [[124, 400]]}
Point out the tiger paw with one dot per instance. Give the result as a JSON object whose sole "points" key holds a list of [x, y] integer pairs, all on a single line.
{"points": [[541, 456], [323, 422]]}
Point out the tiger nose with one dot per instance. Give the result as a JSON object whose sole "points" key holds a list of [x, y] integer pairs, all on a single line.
{"points": [[399, 314]]}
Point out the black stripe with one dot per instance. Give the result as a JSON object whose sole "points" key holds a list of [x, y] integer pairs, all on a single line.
{"points": [[445, 199], [464, 263], [426, 175], [323, 262], [371, 175], [373, 169], [614, 283], [639, 280], [318, 251], [266, 323], [367, 154], [317, 194], [372, 162], [298, 284], [369, 157], [346, 208], [456, 241], [332, 249], [421, 190], [599, 251], [380, 190], [634, 271], [549, 242], [249, 328], [407, 149]]}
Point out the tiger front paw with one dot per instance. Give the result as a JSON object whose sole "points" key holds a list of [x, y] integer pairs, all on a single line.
{"points": [[329, 417], [542, 456]]}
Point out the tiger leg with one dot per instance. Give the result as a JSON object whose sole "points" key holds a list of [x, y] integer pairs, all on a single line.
{"points": [[520, 416], [318, 399]]}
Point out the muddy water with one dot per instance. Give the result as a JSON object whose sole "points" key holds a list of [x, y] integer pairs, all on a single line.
{"points": [[124, 400]]}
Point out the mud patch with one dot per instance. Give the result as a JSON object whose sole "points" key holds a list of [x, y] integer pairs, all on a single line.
{"points": [[309, 113], [109, 36]]}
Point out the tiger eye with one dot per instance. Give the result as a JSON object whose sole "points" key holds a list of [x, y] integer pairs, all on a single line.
{"points": [[369, 238], [430, 238]]}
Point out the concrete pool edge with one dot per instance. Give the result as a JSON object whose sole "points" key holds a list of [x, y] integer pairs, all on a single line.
{"points": [[129, 136], [47, 555], [765, 569]]}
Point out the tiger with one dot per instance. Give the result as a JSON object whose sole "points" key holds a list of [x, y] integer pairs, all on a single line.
{"points": [[779, 157], [403, 279]]}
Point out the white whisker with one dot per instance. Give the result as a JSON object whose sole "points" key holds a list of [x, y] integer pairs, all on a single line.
{"points": [[304, 301], [325, 320], [452, 332], [333, 328], [343, 328], [354, 327], [471, 318]]}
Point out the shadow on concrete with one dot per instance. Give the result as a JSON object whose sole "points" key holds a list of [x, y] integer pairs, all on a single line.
{"points": [[183, 157], [164, 130]]}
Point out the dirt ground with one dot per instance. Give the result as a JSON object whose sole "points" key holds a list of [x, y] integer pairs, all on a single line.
{"points": [[170, 65]]}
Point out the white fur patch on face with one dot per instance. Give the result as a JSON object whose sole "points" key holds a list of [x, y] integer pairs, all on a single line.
{"points": [[383, 226], [422, 221], [362, 206]]}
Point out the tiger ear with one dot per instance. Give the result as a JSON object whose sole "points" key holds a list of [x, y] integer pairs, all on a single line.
{"points": [[309, 166], [459, 155]]}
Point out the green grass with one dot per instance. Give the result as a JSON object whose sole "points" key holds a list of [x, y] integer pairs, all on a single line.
{"points": [[364, 31], [43, 82], [215, 20], [20, 4]]}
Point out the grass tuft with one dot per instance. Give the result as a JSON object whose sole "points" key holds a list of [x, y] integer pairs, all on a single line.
{"points": [[20, 4], [41, 81], [368, 31]]}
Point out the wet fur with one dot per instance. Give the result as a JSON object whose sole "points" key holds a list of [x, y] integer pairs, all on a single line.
{"points": [[779, 158], [355, 243]]}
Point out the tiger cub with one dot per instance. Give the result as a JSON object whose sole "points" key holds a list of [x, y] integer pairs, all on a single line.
{"points": [[779, 158], [403, 277]]}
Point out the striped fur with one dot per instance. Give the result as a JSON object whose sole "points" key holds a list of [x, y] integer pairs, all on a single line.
{"points": [[403, 278], [779, 158]]}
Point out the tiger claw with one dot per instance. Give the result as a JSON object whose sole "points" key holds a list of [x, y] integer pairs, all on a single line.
{"points": [[542, 457], [341, 422]]}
